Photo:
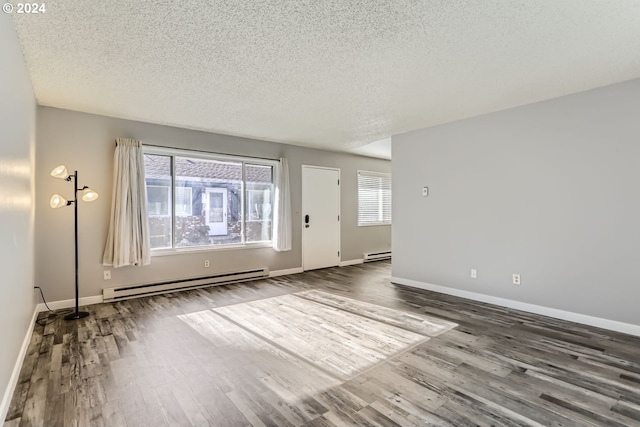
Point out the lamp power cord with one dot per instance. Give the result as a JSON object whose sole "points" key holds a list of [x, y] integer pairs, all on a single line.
{"points": [[52, 317]]}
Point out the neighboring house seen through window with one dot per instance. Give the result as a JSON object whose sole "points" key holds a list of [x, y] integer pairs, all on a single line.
{"points": [[219, 201], [159, 200]]}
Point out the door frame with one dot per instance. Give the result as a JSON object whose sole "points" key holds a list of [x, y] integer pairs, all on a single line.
{"points": [[225, 194], [303, 206]]}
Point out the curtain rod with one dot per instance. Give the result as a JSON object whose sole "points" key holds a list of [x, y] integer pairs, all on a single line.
{"points": [[210, 152]]}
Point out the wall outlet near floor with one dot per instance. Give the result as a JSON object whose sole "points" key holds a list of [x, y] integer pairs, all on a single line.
{"points": [[474, 273], [107, 275], [516, 279], [206, 263]]}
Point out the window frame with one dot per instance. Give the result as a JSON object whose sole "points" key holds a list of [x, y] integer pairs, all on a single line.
{"points": [[380, 198], [177, 152]]}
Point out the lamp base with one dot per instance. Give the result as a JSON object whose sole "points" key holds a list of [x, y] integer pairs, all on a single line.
{"points": [[76, 316]]}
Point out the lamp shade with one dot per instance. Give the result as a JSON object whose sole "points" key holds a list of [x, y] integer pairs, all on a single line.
{"points": [[88, 195], [60, 172], [57, 201]]}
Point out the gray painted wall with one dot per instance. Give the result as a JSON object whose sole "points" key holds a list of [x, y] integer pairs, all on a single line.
{"points": [[548, 190], [17, 150], [86, 142]]}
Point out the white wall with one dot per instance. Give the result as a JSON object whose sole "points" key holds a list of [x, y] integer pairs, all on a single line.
{"points": [[86, 142], [548, 190], [17, 150]]}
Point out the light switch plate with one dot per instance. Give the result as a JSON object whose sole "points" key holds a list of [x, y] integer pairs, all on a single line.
{"points": [[425, 191]]}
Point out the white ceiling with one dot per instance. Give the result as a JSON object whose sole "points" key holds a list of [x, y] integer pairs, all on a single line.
{"points": [[333, 74]]}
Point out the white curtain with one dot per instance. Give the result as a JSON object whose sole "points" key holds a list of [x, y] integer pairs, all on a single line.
{"points": [[128, 238], [282, 214]]}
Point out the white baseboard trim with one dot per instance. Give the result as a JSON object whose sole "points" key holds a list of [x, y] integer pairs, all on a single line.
{"points": [[613, 325], [13, 380], [351, 262], [286, 272], [67, 303]]}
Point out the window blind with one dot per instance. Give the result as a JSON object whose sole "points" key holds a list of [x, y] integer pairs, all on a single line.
{"points": [[374, 198]]}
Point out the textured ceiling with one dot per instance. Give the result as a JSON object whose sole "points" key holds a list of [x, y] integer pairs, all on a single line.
{"points": [[333, 74]]}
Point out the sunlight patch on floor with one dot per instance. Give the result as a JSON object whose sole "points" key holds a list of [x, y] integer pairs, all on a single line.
{"points": [[340, 336]]}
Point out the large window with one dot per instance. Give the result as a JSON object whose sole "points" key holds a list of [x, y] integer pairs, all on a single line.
{"points": [[201, 200], [374, 198]]}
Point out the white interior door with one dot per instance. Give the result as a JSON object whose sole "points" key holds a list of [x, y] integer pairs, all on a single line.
{"points": [[320, 217], [217, 211]]}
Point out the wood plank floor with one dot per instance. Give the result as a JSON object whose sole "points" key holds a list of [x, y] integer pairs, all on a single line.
{"points": [[342, 343], [176, 359]]}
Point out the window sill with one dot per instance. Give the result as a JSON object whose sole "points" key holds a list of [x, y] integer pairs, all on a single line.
{"points": [[191, 250], [374, 225]]}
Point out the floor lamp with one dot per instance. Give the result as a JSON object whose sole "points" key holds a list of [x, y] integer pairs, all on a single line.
{"points": [[57, 201]]}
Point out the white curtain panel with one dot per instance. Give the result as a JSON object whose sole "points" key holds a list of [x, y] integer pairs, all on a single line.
{"points": [[282, 214], [128, 239]]}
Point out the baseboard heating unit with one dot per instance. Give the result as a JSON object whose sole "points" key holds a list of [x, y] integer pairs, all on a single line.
{"points": [[377, 256], [136, 291]]}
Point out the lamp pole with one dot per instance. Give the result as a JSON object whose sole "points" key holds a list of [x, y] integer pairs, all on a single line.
{"points": [[77, 314]]}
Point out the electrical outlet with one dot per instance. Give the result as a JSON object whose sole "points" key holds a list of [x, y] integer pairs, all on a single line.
{"points": [[107, 275], [474, 273], [516, 279], [206, 263]]}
